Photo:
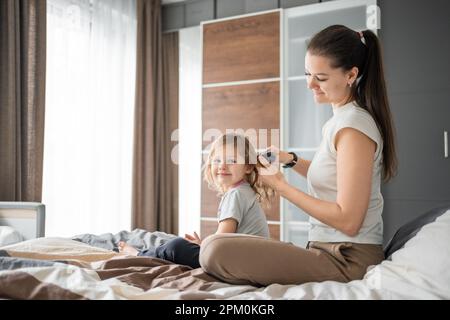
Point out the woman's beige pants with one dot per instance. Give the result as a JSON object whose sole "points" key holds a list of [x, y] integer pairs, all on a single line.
{"points": [[244, 259]]}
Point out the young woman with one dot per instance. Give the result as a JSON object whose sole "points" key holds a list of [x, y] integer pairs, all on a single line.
{"points": [[230, 170], [343, 68]]}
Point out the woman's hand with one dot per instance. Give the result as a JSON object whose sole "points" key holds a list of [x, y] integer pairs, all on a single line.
{"points": [[282, 156], [270, 174], [194, 239]]}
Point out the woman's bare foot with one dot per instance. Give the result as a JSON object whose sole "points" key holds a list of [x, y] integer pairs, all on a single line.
{"points": [[127, 249]]}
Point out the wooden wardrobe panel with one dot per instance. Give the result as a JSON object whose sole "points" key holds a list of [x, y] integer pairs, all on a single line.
{"points": [[274, 230], [210, 202], [210, 227], [251, 106], [207, 228], [242, 49], [273, 213]]}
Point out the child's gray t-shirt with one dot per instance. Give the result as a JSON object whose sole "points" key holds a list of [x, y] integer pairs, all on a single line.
{"points": [[240, 204]]}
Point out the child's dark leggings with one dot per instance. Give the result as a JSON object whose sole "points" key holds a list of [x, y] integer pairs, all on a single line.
{"points": [[178, 250]]}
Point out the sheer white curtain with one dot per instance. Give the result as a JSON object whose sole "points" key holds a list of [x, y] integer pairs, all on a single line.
{"points": [[90, 93]]}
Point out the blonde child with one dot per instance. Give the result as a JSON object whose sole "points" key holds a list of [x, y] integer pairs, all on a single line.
{"points": [[231, 170]]}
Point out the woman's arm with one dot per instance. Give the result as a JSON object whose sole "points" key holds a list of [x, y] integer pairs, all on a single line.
{"points": [[302, 165], [355, 154]]}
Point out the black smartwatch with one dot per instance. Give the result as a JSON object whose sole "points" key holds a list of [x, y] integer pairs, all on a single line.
{"points": [[293, 162]]}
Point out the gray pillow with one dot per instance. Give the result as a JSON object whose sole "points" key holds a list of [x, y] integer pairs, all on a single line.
{"points": [[410, 229], [9, 236]]}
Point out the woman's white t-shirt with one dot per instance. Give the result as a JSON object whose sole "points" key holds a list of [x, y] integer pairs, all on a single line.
{"points": [[321, 177]]}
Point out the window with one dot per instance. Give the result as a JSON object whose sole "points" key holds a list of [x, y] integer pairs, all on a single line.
{"points": [[91, 62]]}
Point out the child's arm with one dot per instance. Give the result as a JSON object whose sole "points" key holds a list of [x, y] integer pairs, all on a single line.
{"points": [[227, 226]]}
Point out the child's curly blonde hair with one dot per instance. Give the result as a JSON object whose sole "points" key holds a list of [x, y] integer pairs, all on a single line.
{"points": [[242, 145]]}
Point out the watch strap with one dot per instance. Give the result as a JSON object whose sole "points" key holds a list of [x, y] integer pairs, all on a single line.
{"points": [[293, 162]]}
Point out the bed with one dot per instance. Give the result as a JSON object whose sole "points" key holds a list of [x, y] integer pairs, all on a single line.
{"points": [[89, 267]]}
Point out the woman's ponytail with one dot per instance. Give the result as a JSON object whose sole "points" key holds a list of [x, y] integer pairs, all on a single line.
{"points": [[371, 93]]}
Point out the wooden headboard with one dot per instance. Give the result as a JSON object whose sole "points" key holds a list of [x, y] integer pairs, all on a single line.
{"points": [[28, 218]]}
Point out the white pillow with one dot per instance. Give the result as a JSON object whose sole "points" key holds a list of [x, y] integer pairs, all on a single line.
{"points": [[9, 236], [421, 269]]}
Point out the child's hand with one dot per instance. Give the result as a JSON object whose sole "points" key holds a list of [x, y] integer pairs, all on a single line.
{"points": [[194, 239]]}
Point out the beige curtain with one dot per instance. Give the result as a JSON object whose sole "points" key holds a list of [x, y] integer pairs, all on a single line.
{"points": [[154, 198], [22, 98], [170, 88]]}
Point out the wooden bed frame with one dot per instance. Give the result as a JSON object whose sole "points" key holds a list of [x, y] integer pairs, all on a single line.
{"points": [[28, 218]]}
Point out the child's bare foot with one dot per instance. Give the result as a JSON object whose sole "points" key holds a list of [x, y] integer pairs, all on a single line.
{"points": [[127, 249]]}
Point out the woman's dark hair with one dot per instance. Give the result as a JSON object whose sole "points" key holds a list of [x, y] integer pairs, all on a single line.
{"points": [[346, 49]]}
